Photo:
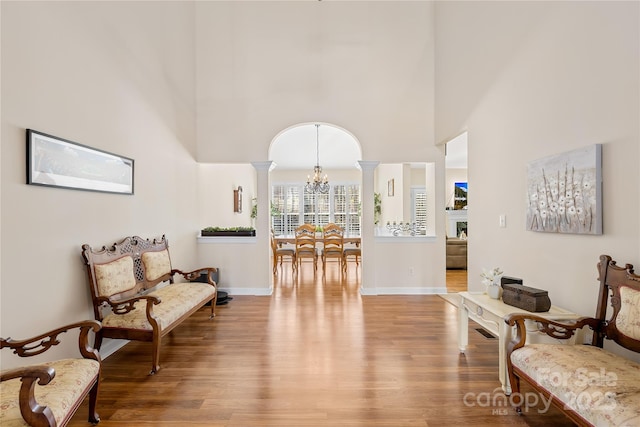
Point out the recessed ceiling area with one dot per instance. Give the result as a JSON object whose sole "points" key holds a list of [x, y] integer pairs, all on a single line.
{"points": [[295, 148]]}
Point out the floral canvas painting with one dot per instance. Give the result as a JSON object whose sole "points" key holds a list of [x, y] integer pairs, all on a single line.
{"points": [[565, 192]]}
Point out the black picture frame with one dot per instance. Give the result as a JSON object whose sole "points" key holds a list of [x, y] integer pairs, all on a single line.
{"points": [[58, 162]]}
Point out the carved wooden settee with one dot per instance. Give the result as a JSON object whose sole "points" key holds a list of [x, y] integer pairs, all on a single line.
{"points": [[134, 294], [591, 385], [49, 393]]}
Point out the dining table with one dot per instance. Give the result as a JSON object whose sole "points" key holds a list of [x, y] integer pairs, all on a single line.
{"points": [[282, 239]]}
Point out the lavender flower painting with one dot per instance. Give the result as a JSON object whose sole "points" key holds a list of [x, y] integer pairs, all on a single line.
{"points": [[565, 192]]}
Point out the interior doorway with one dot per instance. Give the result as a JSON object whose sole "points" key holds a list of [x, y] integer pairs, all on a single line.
{"points": [[457, 230]]}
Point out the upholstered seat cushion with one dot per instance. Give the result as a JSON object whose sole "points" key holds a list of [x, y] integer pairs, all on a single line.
{"points": [[177, 299], [73, 378], [602, 387]]}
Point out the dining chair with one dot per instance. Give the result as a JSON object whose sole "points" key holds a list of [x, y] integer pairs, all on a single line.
{"points": [[305, 235], [333, 244], [280, 253], [354, 252]]}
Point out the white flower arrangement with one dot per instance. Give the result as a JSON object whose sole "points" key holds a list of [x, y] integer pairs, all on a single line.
{"points": [[488, 277]]}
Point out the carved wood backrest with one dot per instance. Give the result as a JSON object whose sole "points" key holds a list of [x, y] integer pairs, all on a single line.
{"points": [[621, 286], [305, 237], [126, 268], [333, 238]]}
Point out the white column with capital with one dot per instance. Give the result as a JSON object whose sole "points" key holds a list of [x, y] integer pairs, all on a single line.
{"points": [[368, 286], [263, 263]]}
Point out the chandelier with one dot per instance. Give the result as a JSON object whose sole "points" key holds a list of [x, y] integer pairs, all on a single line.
{"points": [[320, 184]]}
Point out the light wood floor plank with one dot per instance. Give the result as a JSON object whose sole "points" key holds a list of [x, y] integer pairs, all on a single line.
{"points": [[315, 353]]}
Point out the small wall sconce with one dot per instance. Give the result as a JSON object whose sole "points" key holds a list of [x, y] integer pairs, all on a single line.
{"points": [[237, 200]]}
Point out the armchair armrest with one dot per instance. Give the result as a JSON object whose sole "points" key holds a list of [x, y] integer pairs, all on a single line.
{"points": [[30, 376], [31, 411], [43, 342], [553, 328], [44, 374], [125, 305], [193, 275]]}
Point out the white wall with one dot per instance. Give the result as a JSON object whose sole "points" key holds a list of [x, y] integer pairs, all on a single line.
{"points": [[392, 205], [215, 196], [567, 78], [366, 67], [107, 75]]}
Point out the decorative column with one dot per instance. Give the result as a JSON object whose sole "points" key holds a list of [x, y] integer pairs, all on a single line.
{"points": [[368, 285], [263, 263]]}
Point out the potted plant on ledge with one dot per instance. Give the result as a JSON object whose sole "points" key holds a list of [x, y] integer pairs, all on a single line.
{"points": [[228, 231]]}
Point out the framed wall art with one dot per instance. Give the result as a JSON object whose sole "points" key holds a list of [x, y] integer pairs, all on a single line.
{"points": [[460, 195], [564, 193], [57, 162]]}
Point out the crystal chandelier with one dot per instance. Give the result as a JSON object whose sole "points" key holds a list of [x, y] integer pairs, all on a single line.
{"points": [[320, 184]]}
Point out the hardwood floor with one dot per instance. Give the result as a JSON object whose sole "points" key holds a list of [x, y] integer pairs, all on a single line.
{"points": [[456, 280], [315, 353]]}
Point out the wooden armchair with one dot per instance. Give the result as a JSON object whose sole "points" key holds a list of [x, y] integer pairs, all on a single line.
{"points": [[306, 245], [48, 394], [333, 245]]}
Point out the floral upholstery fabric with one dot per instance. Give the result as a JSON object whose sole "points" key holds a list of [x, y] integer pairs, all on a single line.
{"points": [[177, 299], [116, 276], [73, 378], [156, 264], [602, 387], [628, 320]]}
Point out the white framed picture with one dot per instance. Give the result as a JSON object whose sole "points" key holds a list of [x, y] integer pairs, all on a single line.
{"points": [[564, 193], [57, 162]]}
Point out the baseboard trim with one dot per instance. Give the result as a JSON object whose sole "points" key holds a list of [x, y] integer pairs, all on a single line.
{"points": [[110, 346], [403, 291]]}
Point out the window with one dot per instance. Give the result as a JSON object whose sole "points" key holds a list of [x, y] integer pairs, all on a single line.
{"points": [[293, 206], [419, 209]]}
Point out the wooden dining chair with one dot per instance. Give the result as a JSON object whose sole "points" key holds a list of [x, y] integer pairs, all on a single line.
{"points": [[279, 254], [333, 245], [306, 245], [354, 252]]}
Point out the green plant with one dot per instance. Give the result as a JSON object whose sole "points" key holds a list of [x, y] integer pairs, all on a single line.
{"points": [[377, 207], [228, 229], [254, 209]]}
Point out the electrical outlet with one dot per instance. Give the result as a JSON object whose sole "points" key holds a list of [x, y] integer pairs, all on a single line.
{"points": [[410, 271]]}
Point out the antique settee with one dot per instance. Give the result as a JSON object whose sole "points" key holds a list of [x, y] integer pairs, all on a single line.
{"points": [[590, 384], [134, 293]]}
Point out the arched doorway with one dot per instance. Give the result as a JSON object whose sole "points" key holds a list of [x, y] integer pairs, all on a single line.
{"points": [[295, 152]]}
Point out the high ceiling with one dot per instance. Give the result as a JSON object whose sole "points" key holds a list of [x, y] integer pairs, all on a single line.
{"points": [[295, 148]]}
